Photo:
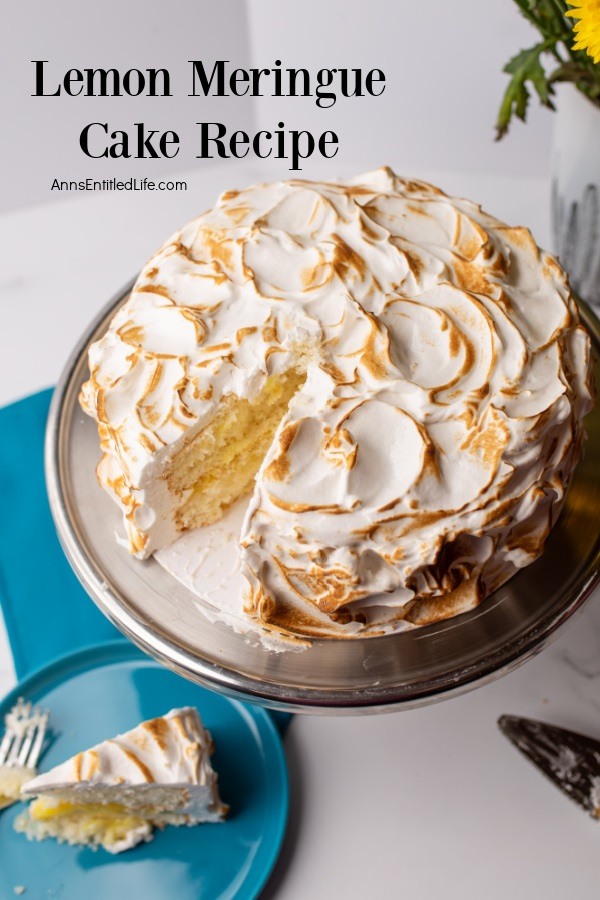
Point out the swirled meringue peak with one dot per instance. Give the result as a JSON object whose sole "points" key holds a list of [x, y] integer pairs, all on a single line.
{"points": [[426, 454]]}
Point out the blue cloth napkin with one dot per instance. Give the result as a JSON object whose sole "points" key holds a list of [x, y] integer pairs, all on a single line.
{"points": [[46, 611]]}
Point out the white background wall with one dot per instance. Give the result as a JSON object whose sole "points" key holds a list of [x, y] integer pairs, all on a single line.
{"points": [[442, 61]]}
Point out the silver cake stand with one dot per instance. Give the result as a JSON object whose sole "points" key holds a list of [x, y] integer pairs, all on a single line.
{"points": [[399, 671]]}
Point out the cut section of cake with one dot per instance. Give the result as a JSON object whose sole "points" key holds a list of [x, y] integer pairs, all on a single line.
{"points": [[116, 793]]}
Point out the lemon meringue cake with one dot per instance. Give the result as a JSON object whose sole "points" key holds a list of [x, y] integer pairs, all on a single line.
{"points": [[116, 793], [398, 378]]}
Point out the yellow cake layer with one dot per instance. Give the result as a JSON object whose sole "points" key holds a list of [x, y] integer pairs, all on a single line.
{"points": [[220, 463]]}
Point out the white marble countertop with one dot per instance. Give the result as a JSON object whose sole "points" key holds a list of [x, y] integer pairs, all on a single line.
{"points": [[428, 803]]}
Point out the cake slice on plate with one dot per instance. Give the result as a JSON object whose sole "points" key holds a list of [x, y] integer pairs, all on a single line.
{"points": [[114, 794]]}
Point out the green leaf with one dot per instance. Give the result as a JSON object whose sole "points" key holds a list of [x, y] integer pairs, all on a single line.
{"points": [[527, 73], [525, 70]]}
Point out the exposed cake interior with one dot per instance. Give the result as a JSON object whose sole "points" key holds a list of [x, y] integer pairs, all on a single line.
{"points": [[12, 779], [109, 825], [220, 463], [113, 817]]}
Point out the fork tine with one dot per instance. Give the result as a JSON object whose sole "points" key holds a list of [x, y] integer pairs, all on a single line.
{"points": [[22, 709], [29, 736], [24, 736], [9, 734], [36, 747], [15, 750], [5, 745]]}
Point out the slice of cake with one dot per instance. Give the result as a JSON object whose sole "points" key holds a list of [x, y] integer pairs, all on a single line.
{"points": [[114, 794]]}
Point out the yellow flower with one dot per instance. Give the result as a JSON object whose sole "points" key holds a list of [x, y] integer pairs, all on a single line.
{"points": [[588, 27]]}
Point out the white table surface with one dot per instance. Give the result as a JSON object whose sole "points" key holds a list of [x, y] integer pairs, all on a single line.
{"points": [[431, 803]]}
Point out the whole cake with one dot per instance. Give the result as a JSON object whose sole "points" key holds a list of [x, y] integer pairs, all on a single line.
{"points": [[114, 794], [398, 379]]}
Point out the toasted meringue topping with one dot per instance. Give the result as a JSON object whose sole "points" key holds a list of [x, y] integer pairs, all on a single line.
{"points": [[441, 417], [171, 750]]}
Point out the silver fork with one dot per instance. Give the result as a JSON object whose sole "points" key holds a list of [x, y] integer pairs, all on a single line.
{"points": [[20, 748]]}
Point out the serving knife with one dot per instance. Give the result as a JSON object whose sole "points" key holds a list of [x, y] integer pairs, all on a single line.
{"points": [[571, 761]]}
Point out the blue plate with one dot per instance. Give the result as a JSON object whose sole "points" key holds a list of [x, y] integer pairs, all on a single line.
{"points": [[98, 692]]}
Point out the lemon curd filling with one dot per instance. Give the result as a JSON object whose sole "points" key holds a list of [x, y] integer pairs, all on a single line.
{"points": [[43, 809], [220, 463]]}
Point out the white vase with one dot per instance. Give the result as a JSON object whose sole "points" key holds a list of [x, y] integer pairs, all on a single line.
{"points": [[576, 191]]}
